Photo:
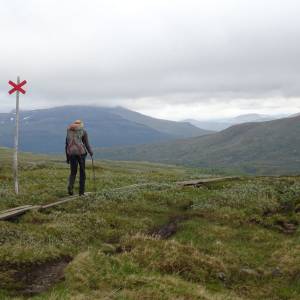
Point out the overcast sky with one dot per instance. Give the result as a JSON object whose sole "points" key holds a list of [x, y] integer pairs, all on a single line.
{"points": [[171, 59]]}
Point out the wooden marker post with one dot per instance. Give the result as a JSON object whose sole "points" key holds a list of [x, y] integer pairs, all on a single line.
{"points": [[17, 87], [16, 141]]}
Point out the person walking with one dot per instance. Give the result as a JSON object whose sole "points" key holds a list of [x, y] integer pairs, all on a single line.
{"points": [[77, 146]]}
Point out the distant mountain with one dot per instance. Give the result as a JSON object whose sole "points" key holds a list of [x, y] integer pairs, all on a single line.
{"points": [[267, 147], [176, 129], [223, 123], [294, 115], [209, 125], [251, 118], [44, 130]]}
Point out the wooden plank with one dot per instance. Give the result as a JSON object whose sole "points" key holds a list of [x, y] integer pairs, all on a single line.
{"points": [[64, 200], [17, 212], [196, 182], [14, 208]]}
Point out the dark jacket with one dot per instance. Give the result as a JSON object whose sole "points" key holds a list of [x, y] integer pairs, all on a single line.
{"points": [[85, 141]]}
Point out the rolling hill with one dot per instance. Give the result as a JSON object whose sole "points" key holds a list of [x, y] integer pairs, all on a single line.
{"points": [[44, 130], [271, 147]]}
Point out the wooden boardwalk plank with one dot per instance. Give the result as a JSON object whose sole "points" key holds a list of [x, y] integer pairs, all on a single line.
{"points": [[64, 200], [17, 211], [196, 182], [13, 213], [14, 208]]}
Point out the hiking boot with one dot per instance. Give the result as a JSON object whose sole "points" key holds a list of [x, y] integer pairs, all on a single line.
{"points": [[81, 191], [70, 191]]}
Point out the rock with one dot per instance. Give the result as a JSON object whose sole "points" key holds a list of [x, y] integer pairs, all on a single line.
{"points": [[276, 272], [221, 276]]}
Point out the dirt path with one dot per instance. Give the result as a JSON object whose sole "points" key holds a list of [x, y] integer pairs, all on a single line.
{"points": [[167, 230]]}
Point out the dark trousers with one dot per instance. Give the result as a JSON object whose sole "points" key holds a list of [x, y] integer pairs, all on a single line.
{"points": [[76, 160]]}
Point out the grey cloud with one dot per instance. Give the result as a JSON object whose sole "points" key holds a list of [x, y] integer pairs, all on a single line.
{"points": [[123, 52]]}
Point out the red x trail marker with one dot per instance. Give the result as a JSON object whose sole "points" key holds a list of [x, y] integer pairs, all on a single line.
{"points": [[17, 87]]}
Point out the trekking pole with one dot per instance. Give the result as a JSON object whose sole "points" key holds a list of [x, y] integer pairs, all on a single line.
{"points": [[94, 175]]}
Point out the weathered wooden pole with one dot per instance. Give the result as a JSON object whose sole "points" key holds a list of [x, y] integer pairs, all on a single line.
{"points": [[17, 87], [15, 163]]}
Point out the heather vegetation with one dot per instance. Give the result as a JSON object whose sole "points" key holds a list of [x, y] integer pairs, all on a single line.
{"points": [[142, 236]]}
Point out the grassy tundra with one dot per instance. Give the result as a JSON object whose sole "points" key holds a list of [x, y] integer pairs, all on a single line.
{"points": [[236, 239]]}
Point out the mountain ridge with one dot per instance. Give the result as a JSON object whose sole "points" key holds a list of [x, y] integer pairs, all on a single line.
{"points": [[44, 130], [178, 129], [270, 147]]}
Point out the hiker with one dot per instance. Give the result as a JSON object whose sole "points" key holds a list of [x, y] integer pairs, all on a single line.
{"points": [[77, 146]]}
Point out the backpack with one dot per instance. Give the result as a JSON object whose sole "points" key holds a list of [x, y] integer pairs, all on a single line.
{"points": [[74, 140]]}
